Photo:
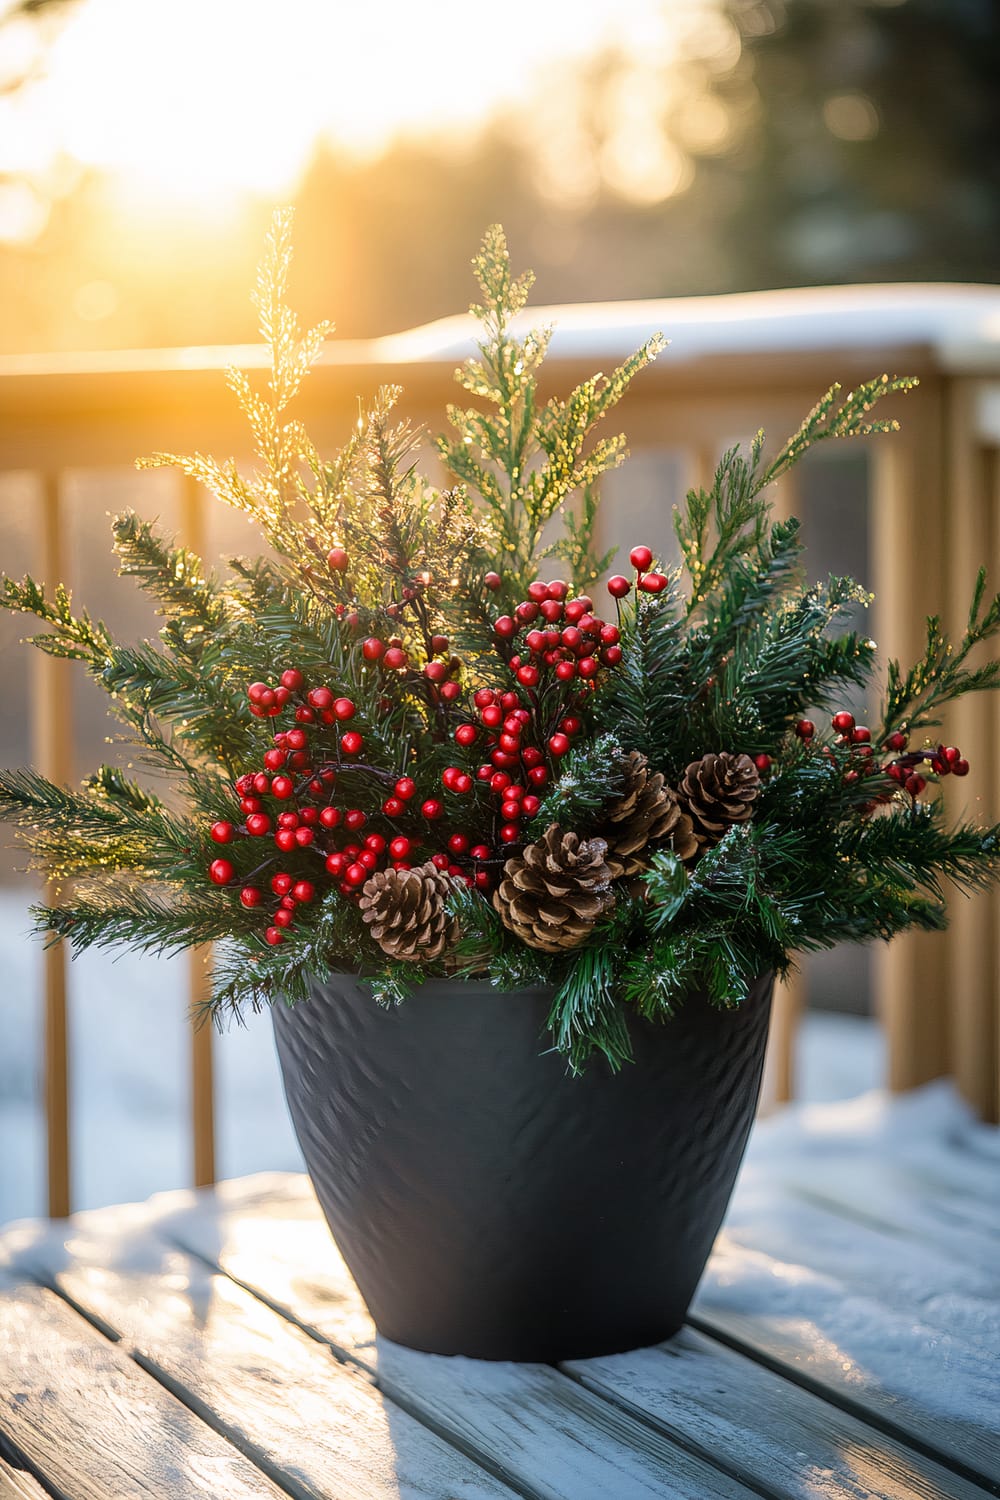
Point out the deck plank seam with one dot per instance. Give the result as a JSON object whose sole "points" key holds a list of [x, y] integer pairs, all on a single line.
{"points": [[697, 1450], [20, 1462], [846, 1403]]}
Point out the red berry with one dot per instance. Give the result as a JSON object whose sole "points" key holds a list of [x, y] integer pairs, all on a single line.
{"points": [[296, 739], [499, 781], [571, 724], [458, 843], [526, 612], [222, 833], [351, 742], [250, 896], [335, 864], [510, 743], [480, 851], [405, 788], [393, 807], [220, 872], [432, 809], [640, 558], [330, 817], [558, 744], [915, 784], [356, 874], [538, 775], [369, 859], [435, 671], [354, 819], [283, 917], [282, 787], [530, 804], [463, 784], [492, 715], [653, 583], [292, 679], [465, 735], [843, 722], [896, 741], [285, 840], [303, 890], [960, 767], [492, 580], [551, 610], [565, 670], [538, 591], [288, 820], [395, 658], [505, 627], [952, 754], [304, 837], [531, 756], [527, 675], [320, 697], [510, 810], [611, 656], [557, 589], [275, 759], [588, 666], [535, 640], [258, 824], [281, 883], [375, 842], [805, 729], [261, 783], [260, 693], [503, 758], [274, 935], [510, 833], [337, 559], [508, 701], [400, 847], [343, 708], [372, 649], [860, 735], [762, 762]]}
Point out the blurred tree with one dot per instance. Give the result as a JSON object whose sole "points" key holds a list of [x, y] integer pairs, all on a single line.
{"points": [[777, 142]]}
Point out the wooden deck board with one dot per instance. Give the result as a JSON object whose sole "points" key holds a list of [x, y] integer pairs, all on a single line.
{"points": [[215, 1338], [94, 1424], [769, 1432], [318, 1428]]}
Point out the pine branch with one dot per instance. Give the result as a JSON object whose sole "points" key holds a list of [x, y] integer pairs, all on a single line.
{"points": [[914, 699]]}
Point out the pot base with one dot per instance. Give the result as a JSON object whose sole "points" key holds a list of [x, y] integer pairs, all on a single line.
{"points": [[487, 1203]]}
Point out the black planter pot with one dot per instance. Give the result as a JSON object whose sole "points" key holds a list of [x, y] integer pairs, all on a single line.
{"points": [[489, 1204]]}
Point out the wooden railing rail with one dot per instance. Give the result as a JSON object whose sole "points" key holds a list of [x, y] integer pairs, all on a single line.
{"points": [[737, 364]]}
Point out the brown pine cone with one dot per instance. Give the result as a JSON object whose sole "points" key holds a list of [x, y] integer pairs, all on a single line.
{"points": [[406, 913], [718, 791], [645, 814], [552, 894]]}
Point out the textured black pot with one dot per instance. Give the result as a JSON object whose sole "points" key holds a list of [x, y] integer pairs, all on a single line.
{"points": [[489, 1204]]}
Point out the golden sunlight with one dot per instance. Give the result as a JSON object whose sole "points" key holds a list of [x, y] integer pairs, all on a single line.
{"points": [[200, 102]]}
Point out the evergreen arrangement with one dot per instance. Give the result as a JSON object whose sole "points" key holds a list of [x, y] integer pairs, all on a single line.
{"points": [[397, 744]]}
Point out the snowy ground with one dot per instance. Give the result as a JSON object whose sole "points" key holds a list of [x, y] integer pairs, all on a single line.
{"points": [[129, 1070]]}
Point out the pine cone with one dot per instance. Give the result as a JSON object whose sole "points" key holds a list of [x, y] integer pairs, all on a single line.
{"points": [[406, 912], [718, 791], [551, 895], [646, 813]]}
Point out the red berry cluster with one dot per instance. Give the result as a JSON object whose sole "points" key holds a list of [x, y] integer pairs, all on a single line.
{"points": [[438, 674], [290, 802], [566, 640], [641, 559], [946, 760]]}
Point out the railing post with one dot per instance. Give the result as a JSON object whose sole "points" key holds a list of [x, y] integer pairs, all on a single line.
{"points": [[52, 735], [973, 936], [199, 959], [911, 973]]}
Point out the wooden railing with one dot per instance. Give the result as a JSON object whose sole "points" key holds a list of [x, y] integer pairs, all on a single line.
{"points": [[737, 363]]}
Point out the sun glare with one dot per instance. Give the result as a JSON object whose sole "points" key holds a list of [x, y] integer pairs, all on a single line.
{"points": [[205, 101]]}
